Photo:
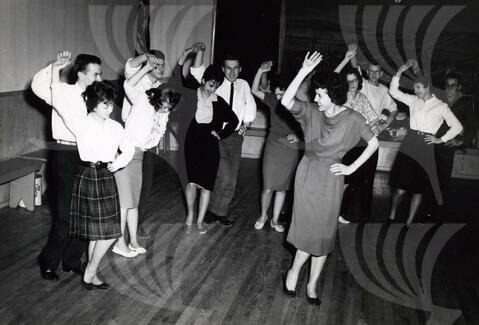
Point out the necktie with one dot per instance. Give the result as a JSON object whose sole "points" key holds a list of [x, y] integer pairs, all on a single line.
{"points": [[232, 91]]}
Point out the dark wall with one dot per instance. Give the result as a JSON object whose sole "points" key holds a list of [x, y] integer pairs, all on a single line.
{"points": [[249, 29]]}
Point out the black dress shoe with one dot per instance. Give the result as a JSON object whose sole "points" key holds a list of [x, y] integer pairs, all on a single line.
{"points": [[286, 291], [102, 286], [313, 301], [47, 272], [76, 270], [88, 286], [210, 217], [224, 221]]}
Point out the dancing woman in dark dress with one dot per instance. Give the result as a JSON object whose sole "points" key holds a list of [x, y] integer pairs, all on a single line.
{"points": [[330, 129], [202, 154]]}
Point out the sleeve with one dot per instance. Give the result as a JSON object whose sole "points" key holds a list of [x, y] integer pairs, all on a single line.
{"points": [[389, 104], [466, 116], [125, 109], [302, 111], [131, 92], [365, 131], [250, 105], [455, 127], [229, 117], [61, 103], [399, 95], [197, 73], [129, 70], [190, 82], [127, 150], [270, 100], [41, 84]]}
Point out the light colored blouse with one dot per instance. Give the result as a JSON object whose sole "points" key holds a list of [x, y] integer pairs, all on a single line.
{"points": [[204, 108], [96, 140], [144, 126], [361, 104], [427, 116]]}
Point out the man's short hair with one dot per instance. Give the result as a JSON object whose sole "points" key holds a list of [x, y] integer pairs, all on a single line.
{"points": [[423, 80], [159, 54], [375, 63], [231, 57], [83, 60], [454, 75]]}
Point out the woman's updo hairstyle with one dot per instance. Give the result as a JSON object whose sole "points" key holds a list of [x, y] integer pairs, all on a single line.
{"points": [[164, 93]]}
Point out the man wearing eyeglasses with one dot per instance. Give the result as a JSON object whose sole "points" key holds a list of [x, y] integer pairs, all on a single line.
{"points": [[150, 80]]}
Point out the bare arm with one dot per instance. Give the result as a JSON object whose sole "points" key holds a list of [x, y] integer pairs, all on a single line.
{"points": [[309, 63], [265, 67], [340, 169], [347, 57]]}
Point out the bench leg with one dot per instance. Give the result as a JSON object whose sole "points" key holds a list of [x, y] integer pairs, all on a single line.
{"points": [[23, 189]]}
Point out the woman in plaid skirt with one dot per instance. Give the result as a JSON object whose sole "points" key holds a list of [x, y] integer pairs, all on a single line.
{"points": [[95, 208]]}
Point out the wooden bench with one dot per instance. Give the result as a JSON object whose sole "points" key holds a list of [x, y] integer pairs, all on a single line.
{"points": [[20, 173]]}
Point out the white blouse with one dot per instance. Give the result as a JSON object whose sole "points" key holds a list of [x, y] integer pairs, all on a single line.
{"points": [[144, 126], [427, 116], [204, 108], [96, 140]]}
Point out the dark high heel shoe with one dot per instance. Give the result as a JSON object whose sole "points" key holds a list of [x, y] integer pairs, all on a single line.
{"points": [[101, 286], [286, 291], [313, 301]]}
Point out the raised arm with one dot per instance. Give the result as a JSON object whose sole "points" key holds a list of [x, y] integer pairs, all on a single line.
{"points": [[60, 102], [394, 86], [351, 53], [309, 63], [198, 68], [262, 70]]}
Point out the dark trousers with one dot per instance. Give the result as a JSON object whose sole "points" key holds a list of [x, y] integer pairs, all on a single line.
{"points": [[225, 183], [62, 165], [147, 183], [358, 196]]}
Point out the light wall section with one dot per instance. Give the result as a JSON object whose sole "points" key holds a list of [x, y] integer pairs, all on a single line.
{"points": [[33, 31], [177, 24]]}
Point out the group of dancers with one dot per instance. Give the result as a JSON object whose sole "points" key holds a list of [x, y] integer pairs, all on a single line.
{"points": [[98, 167]]}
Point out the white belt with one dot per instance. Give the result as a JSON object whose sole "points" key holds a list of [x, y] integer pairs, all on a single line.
{"points": [[70, 143]]}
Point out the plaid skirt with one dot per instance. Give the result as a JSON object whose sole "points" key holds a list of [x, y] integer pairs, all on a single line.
{"points": [[95, 205]]}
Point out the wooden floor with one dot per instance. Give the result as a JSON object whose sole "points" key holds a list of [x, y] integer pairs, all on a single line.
{"points": [[233, 276]]}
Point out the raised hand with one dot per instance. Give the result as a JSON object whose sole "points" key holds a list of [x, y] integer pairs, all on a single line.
{"points": [[266, 66], [404, 67], [199, 46], [311, 61], [351, 53], [152, 62], [64, 58]]}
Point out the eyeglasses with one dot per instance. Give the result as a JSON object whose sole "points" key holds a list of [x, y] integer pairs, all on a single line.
{"points": [[352, 82], [159, 67]]}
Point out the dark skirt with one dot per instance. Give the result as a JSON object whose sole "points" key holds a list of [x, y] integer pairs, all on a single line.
{"points": [[95, 205], [279, 164], [414, 168], [202, 155]]}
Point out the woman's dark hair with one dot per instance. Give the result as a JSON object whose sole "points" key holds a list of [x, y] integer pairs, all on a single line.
{"points": [[280, 81], [335, 84], [99, 92], [349, 71], [213, 73], [163, 94]]}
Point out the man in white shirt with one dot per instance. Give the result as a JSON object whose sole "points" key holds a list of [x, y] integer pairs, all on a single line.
{"points": [[62, 165], [150, 80], [237, 93]]}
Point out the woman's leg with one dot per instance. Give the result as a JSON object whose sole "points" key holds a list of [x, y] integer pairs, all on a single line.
{"points": [[415, 203], [317, 263], [100, 247], [132, 220], [266, 197], [190, 194], [121, 244], [397, 197], [292, 277], [204, 200], [91, 247], [278, 205]]}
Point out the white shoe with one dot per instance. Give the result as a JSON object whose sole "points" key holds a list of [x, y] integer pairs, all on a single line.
{"points": [[259, 225], [118, 251], [139, 250], [277, 227], [344, 221]]}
